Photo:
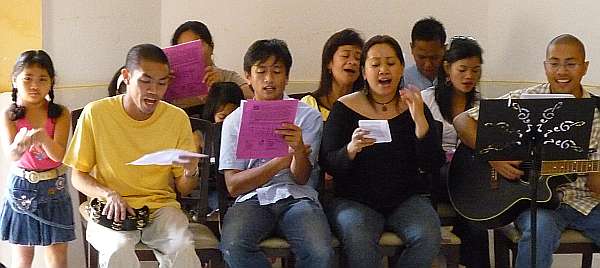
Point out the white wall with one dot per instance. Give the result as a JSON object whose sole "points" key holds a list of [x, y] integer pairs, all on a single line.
{"points": [[512, 33], [88, 39], [306, 25], [518, 32]]}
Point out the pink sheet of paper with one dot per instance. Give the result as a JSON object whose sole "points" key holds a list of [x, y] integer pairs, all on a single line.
{"points": [[257, 138], [187, 63]]}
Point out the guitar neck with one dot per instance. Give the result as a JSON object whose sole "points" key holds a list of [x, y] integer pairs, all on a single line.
{"points": [[569, 166]]}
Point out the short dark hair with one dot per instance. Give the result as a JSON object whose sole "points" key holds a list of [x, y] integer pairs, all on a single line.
{"points": [[261, 50], [221, 93], [198, 28], [27, 59], [147, 52], [567, 39], [459, 49], [428, 29], [344, 37]]}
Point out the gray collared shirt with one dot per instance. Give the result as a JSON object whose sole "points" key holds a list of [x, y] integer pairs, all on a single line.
{"points": [[282, 185], [412, 76]]}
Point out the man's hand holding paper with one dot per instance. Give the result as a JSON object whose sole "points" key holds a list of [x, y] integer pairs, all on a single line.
{"points": [[292, 135]]}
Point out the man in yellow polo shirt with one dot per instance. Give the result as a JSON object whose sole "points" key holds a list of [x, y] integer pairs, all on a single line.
{"points": [[117, 130]]}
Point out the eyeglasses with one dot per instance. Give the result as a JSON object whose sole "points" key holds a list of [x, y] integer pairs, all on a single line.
{"points": [[555, 65], [461, 37]]}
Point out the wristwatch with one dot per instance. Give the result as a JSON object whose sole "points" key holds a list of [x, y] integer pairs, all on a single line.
{"points": [[195, 174]]}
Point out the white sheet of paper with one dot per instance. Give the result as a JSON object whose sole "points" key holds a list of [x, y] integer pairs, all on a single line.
{"points": [[164, 157], [378, 130], [546, 96]]}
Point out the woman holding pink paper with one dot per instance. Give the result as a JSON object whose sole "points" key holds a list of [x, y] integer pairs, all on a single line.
{"points": [[195, 30], [378, 185]]}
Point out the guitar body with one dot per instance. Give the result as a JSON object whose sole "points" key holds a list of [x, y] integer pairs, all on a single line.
{"points": [[480, 194]]}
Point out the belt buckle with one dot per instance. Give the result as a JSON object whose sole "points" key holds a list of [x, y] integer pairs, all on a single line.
{"points": [[32, 177]]}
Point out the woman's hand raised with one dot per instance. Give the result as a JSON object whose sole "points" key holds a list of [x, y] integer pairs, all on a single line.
{"points": [[411, 96]]}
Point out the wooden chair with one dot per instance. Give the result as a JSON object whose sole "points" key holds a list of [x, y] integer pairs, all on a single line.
{"points": [[571, 242], [205, 242]]}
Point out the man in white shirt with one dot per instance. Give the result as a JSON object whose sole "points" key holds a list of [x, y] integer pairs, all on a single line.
{"points": [[272, 195]]}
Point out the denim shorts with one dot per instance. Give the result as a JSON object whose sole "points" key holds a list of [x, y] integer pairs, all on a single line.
{"points": [[37, 213]]}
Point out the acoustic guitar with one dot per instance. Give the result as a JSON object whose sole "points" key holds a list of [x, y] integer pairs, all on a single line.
{"points": [[481, 194]]}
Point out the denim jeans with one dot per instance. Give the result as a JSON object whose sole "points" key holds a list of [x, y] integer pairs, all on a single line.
{"points": [[359, 228], [550, 224], [37, 213], [300, 221]]}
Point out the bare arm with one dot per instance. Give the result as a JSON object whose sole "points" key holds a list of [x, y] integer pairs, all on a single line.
{"points": [[300, 165], [14, 143], [466, 128], [242, 181], [85, 183], [593, 182], [186, 183], [55, 147]]}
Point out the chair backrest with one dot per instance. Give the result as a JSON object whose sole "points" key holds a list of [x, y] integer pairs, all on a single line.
{"points": [[196, 204], [298, 95], [223, 193], [75, 117], [75, 114]]}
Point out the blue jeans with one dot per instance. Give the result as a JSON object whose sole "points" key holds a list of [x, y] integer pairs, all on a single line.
{"points": [[550, 224], [300, 221], [359, 228]]}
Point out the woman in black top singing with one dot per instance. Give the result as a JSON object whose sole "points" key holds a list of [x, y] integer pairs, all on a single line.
{"points": [[377, 185]]}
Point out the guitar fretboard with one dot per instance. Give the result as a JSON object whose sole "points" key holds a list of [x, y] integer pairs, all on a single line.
{"points": [[569, 166]]}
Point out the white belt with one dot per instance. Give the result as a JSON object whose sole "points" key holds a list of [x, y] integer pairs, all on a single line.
{"points": [[35, 176]]}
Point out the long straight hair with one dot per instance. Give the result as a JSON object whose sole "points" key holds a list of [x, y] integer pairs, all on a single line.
{"points": [[459, 49]]}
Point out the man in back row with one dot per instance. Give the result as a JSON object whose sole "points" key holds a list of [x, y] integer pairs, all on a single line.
{"points": [[565, 66], [428, 43]]}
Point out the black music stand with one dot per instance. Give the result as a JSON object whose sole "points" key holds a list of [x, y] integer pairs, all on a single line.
{"points": [[534, 130]]}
